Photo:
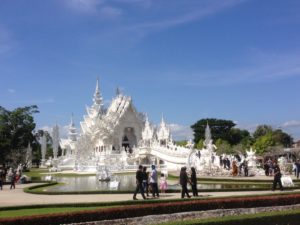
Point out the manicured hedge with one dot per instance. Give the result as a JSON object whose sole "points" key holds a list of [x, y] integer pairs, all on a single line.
{"points": [[155, 208]]}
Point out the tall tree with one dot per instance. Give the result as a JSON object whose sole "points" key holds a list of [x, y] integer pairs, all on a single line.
{"points": [[263, 143], [266, 138], [282, 138], [219, 129], [262, 130], [16, 131], [237, 135]]}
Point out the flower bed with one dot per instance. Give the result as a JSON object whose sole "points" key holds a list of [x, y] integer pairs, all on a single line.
{"points": [[156, 208]]}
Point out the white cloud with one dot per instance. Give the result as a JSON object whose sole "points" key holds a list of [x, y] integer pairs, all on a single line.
{"points": [[110, 12], [7, 44], [46, 128], [291, 123], [94, 7], [143, 3], [251, 127], [259, 68], [63, 130], [200, 11], [181, 132], [84, 6], [12, 91]]}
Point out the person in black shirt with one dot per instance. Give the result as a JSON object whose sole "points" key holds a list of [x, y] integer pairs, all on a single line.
{"points": [[297, 168], [139, 183], [13, 180], [277, 177], [145, 180], [184, 179], [194, 182], [246, 168]]}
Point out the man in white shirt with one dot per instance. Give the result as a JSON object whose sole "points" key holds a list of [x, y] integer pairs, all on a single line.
{"points": [[153, 182]]}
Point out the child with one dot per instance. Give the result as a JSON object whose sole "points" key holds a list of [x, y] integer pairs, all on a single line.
{"points": [[163, 183]]}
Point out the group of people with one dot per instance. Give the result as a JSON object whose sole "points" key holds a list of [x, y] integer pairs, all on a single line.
{"points": [[269, 167], [237, 170], [12, 175], [225, 162], [185, 179], [148, 182]]}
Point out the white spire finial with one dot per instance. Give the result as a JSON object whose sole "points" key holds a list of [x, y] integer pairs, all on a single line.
{"points": [[118, 91], [162, 119], [72, 130], [72, 120], [97, 95]]}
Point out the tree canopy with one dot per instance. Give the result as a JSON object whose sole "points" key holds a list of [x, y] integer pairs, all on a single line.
{"points": [[230, 139], [220, 129], [16, 131]]}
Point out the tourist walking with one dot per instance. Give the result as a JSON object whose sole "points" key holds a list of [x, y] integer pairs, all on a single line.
{"points": [[163, 183], [1, 179], [145, 181], [194, 182], [139, 181], [153, 181], [298, 168], [246, 168], [277, 177], [183, 182], [13, 180], [266, 167], [234, 169]]}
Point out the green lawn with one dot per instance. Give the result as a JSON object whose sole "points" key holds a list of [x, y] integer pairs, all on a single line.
{"points": [[42, 211]]}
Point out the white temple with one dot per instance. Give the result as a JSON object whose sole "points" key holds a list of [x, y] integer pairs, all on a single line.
{"points": [[121, 134], [118, 138]]}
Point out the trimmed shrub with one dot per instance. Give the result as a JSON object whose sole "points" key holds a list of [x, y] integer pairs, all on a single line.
{"points": [[155, 208]]}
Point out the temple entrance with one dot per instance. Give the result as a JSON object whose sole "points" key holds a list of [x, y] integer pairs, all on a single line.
{"points": [[125, 143], [129, 139]]}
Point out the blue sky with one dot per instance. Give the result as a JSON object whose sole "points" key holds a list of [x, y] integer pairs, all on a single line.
{"points": [[188, 59]]}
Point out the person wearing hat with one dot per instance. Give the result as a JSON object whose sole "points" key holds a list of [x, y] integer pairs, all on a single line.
{"points": [[277, 177], [153, 182]]}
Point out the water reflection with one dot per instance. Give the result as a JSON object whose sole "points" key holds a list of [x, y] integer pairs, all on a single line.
{"points": [[127, 182]]}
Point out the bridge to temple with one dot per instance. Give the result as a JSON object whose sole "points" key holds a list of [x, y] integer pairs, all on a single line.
{"points": [[172, 156]]}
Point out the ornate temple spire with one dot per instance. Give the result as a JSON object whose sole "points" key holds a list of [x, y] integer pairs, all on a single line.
{"points": [[72, 130], [207, 134], [163, 131], [55, 140], [162, 119], [97, 95], [118, 91], [147, 133]]}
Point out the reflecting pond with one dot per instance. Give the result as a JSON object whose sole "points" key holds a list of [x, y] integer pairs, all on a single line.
{"points": [[127, 182]]}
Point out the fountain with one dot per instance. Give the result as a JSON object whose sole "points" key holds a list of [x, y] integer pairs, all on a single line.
{"points": [[29, 156], [206, 161], [44, 149]]}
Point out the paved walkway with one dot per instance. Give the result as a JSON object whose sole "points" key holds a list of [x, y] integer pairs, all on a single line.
{"points": [[17, 197]]}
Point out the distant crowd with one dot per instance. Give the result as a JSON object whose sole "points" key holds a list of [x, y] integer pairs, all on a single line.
{"points": [[12, 176]]}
